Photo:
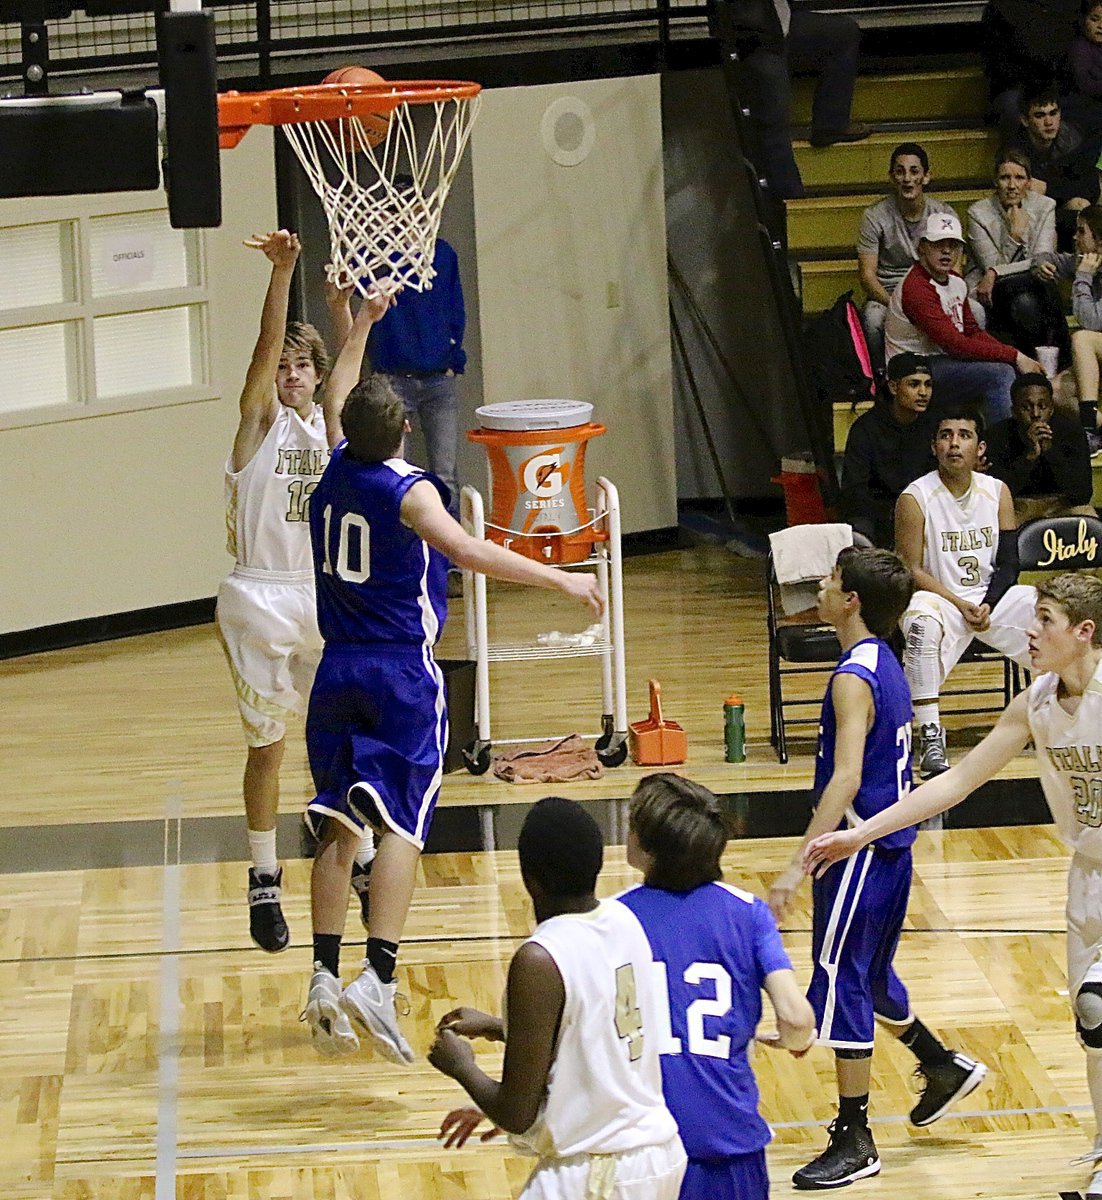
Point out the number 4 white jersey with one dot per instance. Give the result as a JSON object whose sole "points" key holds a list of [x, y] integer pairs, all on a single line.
{"points": [[961, 535], [604, 1092], [268, 500], [1069, 760]]}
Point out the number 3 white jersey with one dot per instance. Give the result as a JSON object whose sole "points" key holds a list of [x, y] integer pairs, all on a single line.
{"points": [[1069, 760], [604, 1092], [267, 501], [961, 536]]}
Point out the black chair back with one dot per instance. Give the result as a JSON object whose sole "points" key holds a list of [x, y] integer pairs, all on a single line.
{"points": [[1060, 544]]}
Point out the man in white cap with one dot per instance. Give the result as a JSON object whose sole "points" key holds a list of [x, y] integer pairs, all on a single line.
{"points": [[929, 315]]}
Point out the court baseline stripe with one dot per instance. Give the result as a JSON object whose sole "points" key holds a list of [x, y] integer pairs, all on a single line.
{"points": [[259, 1151], [168, 1059]]}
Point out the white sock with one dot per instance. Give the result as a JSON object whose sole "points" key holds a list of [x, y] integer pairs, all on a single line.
{"points": [[262, 847], [927, 712], [365, 851], [1094, 1082]]}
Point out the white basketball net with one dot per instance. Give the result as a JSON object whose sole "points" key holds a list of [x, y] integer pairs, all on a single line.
{"points": [[382, 235]]}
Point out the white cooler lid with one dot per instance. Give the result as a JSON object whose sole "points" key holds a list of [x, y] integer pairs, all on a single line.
{"points": [[534, 414]]}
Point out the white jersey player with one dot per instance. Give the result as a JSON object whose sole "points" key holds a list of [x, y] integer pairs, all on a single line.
{"points": [[1062, 712], [266, 613], [955, 529], [581, 1084]]}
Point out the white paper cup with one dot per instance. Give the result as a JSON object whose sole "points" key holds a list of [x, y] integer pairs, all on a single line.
{"points": [[1047, 356]]}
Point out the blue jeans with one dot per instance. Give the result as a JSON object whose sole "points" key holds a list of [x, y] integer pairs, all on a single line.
{"points": [[986, 383], [434, 402]]}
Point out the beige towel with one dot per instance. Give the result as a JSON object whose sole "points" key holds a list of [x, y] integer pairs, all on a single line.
{"points": [[802, 555], [552, 762]]}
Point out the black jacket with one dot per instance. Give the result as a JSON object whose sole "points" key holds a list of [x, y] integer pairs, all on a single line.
{"points": [[882, 458], [1063, 470]]}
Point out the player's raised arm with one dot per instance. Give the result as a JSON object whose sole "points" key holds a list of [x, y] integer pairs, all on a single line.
{"points": [[424, 512], [535, 1001], [1007, 739], [258, 401], [346, 370]]}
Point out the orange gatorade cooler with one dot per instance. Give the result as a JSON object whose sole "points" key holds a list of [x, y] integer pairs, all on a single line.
{"points": [[538, 503]]}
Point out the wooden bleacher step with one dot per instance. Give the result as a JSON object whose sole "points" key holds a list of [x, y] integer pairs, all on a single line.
{"points": [[905, 96]]}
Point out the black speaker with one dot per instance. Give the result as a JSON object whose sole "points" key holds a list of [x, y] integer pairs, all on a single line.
{"points": [[189, 76], [69, 146]]}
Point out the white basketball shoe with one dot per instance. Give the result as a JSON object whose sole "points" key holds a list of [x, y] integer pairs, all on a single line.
{"points": [[330, 1030], [369, 1004]]}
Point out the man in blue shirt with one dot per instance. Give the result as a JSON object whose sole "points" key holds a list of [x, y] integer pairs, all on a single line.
{"points": [[716, 947], [863, 766], [376, 729], [418, 345]]}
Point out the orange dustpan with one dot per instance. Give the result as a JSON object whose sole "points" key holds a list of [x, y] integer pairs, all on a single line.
{"points": [[655, 742]]}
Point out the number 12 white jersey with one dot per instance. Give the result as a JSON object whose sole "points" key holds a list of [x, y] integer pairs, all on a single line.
{"points": [[1069, 760], [961, 536], [268, 500], [604, 1092]]}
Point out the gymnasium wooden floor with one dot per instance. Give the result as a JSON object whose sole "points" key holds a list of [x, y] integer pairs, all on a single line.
{"points": [[148, 1050]]}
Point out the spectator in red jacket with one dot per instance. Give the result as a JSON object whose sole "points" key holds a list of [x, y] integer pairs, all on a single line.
{"points": [[929, 315]]}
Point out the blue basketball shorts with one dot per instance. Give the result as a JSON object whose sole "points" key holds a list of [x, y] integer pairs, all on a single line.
{"points": [[858, 909], [377, 727], [740, 1177]]}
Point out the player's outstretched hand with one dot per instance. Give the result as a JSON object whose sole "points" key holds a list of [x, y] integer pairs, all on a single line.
{"points": [[829, 848], [584, 588], [772, 1039], [470, 1023], [458, 1126], [450, 1053], [784, 889], [337, 294], [281, 248]]}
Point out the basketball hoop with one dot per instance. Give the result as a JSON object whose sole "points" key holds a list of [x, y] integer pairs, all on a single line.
{"points": [[382, 159]]}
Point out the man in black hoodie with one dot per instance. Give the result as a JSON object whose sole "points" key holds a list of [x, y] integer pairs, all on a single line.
{"points": [[889, 448]]}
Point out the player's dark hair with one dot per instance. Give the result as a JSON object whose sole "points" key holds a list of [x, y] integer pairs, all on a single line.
{"points": [[561, 848], [305, 339], [913, 148], [962, 410], [1079, 595], [678, 823], [373, 420], [1091, 216], [1033, 379], [1038, 97], [883, 583]]}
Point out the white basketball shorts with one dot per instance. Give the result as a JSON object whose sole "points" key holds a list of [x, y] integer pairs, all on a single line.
{"points": [[1084, 913], [1008, 632], [270, 634], [648, 1173]]}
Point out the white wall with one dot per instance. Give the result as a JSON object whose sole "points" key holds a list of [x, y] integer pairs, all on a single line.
{"points": [[110, 513], [572, 272]]}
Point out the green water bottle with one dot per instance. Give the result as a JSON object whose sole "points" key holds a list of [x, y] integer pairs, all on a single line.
{"points": [[734, 730]]}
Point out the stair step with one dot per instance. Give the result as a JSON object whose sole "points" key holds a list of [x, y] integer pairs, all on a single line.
{"points": [[822, 222], [954, 154], [824, 280], [904, 96]]}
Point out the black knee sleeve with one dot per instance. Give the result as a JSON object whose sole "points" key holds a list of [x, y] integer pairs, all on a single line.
{"points": [[846, 1052], [1088, 1015]]}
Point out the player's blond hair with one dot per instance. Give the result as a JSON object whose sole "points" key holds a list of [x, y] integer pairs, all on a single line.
{"points": [[301, 338], [1079, 596]]}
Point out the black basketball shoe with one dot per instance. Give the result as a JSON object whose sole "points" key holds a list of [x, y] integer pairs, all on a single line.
{"points": [[944, 1084], [850, 1155], [361, 878], [266, 924]]}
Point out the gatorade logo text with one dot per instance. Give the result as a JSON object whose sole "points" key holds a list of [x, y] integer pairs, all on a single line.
{"points": [[544, 476]]}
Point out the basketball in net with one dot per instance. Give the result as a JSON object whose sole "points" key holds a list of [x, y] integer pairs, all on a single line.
{"points": [[373, 125], [381, 156]]}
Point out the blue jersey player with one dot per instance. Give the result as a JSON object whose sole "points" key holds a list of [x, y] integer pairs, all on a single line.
{"points": [[376, 729], [858, 907], [716, 947]]}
